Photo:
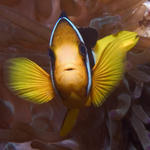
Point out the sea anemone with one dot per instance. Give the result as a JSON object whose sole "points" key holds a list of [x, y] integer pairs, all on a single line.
{"points": [[121, 123]]}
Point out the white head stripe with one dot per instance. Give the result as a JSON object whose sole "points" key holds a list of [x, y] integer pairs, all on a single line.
{"points": [[72, 25]]}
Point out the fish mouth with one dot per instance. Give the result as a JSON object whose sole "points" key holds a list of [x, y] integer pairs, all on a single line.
{"points": [[69, 69]]}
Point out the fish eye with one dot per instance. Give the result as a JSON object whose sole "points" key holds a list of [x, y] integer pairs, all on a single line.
{"points": [[51, 53], [82, 49]]}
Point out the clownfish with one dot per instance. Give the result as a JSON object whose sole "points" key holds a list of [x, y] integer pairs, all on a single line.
{"points": [[81, 73]]}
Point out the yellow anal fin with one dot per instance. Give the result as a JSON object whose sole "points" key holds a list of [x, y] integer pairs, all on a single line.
{"points": [[29, 81], [69, 121], [109, 66]]}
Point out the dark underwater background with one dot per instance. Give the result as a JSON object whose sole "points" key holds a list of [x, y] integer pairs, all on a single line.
{"points": [[121, 123]]}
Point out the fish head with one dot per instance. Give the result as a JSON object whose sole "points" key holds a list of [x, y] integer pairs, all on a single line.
{"points": [[70, 61]]}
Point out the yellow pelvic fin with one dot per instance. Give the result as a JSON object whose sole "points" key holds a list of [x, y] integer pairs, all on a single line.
{"points": [[29, 81], [88, 102], [69, 121], [110, 55]]}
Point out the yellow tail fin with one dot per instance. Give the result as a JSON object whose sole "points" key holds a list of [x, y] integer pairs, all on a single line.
{"points": [[110, 55], [29, 81], [69, 121]]}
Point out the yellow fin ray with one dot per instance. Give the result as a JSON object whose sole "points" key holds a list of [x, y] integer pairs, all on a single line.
{"points": [[109, 68], [69, 121], [29, 81]]}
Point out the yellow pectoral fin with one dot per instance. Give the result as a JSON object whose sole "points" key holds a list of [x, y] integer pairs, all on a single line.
{"points": [[109, 67], [101, 45], [29, 81], [128, 40], [69, 121]]}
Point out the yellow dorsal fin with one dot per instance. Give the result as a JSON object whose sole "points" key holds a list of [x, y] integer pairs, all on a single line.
{"points": [[109, 66], [69, 121], [29, 81]]}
